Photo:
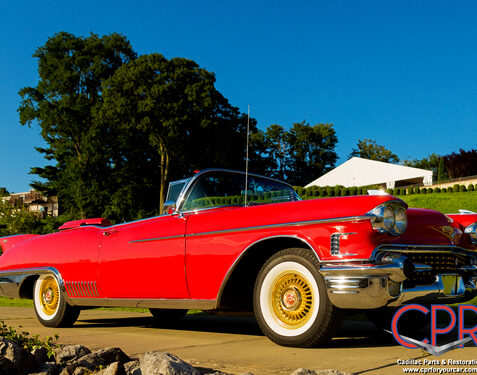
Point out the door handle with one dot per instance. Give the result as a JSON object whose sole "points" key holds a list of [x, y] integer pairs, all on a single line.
{"points": [[110, 232]]}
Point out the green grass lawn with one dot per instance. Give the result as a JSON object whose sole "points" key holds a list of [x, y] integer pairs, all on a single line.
{"points": [[16, 302], [444, 202], [19, 302]]}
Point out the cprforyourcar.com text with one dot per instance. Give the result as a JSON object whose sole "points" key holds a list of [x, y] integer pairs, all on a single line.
{"points": [[437, 362], [439, 370]]}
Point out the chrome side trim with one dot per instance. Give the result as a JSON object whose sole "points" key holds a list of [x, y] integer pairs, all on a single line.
{"points": [[203, 304], [77, 289], [242, 253], [259, 227], [158, 238], [95, 289], [278, 225]]}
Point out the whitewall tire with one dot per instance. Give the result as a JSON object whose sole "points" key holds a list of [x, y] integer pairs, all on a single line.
{"points": [[290, 300], [51, 308]]}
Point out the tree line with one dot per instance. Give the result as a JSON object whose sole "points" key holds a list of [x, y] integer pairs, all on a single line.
{"points": [[444, 167], [119, 126]]}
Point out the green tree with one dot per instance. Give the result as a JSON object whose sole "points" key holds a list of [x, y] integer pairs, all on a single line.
{"points": [[174, 109], [430, 163], [311, 151], [277, 150], [15, 218], [368, 149], [461, 164], [441, 172], [71, 71]]}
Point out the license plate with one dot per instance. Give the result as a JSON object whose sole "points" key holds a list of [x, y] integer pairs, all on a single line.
{"points": [[451, 284]]}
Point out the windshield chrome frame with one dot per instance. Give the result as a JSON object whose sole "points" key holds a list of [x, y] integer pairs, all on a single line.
{"points": [[193, 181]]}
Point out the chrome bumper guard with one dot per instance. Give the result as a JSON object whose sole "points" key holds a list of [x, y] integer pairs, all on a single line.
{"points": [[374, 285]]}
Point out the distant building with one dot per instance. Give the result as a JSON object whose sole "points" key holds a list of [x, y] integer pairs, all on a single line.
{"points": [[362, 172], [36, 202]]}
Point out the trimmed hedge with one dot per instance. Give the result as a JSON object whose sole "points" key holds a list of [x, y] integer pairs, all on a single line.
{"points": [[341, 191]]}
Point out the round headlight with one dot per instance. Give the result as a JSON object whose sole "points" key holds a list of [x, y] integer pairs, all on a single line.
{"points": [[388, 218], [471, 230], [401, 220]]}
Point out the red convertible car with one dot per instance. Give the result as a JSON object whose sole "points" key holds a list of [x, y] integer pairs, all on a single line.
{"points": [[234, 242]]}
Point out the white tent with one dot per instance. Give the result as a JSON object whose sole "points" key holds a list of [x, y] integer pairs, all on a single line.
{"points": [[361, 172]]}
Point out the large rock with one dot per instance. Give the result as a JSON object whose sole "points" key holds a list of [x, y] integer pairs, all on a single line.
{"points": [[132, 368], [115, 368], [40, 356], [159, 363], [21, 360], [93, 361], [7, 367], [47, 368], [303, 371], [81, 371], [70, 353]]}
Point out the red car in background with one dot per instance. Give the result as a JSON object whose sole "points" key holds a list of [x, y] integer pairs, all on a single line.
{"points": [[233, 242]]}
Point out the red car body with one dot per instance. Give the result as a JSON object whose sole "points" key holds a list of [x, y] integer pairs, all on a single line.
{"points": [[218, 255]]}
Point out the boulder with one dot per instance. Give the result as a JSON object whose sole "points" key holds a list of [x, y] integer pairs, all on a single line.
{"points": [[303, 371], [132, 368], [159, 363], [7, 367], [115, 368], [47, 368], [93, 361], [21, 359], [70, 353], [40, 356]]}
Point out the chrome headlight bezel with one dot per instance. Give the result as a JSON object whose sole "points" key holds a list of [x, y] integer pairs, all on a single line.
{"points": [[389, 217], [471, 230]]}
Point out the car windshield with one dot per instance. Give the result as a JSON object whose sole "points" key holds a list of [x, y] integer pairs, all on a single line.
{"points": [[175, 188], [222, 188]]}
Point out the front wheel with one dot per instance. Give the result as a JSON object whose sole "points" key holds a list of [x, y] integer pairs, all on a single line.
{"points": [[291, 303], [50, 306]]}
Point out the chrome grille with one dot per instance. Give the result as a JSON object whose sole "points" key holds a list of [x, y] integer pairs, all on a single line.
{"points": [[440, 263]]}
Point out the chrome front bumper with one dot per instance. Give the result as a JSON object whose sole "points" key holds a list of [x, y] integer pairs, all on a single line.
{"points": [[374, 285]]}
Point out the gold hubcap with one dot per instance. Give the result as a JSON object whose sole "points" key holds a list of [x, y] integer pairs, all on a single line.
{"points": [[291, 300], [49, 295]]}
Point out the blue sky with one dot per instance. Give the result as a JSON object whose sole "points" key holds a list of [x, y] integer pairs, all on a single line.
{"points": [[401, 72]]}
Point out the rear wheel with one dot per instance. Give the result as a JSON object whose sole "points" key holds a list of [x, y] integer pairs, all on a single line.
{"points": [[50, 305], [291, 303]]}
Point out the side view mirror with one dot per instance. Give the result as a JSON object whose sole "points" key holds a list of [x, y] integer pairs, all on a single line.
{"points": [[169, 207]]}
